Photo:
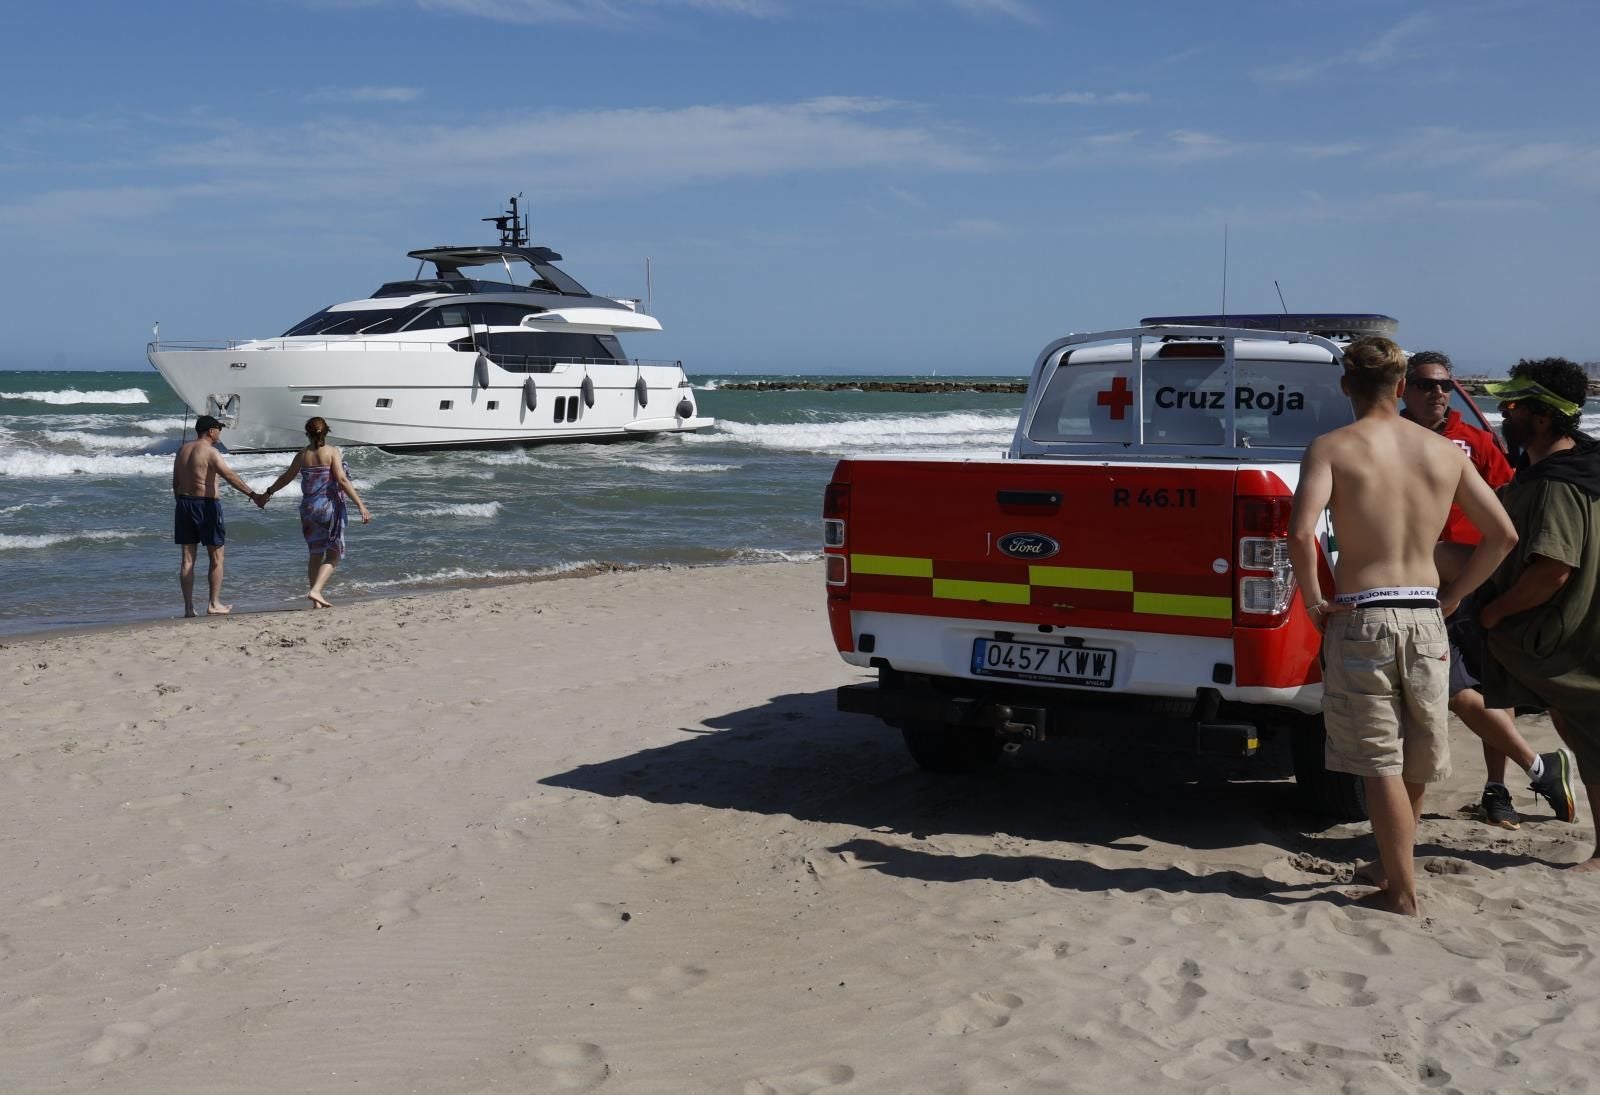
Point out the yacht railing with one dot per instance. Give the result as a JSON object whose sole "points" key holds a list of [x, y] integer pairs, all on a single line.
{"points": [[510, 362]]}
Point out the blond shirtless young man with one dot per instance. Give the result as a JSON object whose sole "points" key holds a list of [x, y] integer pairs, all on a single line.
{"points": [[1389, 484], [197, 510]]}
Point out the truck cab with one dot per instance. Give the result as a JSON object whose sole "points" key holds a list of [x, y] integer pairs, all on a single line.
{"points": [[1122, 570]]}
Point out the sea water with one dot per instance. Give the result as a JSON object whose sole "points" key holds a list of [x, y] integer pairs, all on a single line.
{"points": [[86, 500]]}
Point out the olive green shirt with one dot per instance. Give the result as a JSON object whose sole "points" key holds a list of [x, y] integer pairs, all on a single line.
{"points": [[1548, 656]]}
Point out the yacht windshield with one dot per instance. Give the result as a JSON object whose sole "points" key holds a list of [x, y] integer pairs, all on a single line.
{"points": [[360, 321]]}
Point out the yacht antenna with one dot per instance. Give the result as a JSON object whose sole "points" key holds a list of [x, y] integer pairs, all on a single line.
{"points": [[1281, 304], [513, 226], [1224, 271], [649, 286]]}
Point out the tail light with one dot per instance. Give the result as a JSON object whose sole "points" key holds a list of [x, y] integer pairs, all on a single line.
{"points": [[1266, 580], [835, 514]]}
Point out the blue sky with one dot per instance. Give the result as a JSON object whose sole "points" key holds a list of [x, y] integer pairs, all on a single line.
{"points": [[821, 185]]}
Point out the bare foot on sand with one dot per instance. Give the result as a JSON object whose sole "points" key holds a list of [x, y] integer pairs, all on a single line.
{"points": [[1588, 866], [1371, 874], [1388, 902], [218, 610], [318, 600]]}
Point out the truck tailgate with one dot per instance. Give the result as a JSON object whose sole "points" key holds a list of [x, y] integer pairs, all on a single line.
{"points": [[1123, 546]]}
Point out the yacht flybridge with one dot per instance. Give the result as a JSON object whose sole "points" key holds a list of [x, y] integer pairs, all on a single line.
{"points": [[498, 347]]}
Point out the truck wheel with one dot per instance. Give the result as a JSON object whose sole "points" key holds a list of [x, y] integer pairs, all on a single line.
{"points": [[1337, 795], [950, 750]]}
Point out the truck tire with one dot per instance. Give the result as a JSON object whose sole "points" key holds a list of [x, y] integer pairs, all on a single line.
{"points": [[1337, 795], [950, 750]]}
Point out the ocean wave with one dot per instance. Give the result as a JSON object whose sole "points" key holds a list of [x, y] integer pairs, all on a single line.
{"points": [[95, 440], [33, 464], [888, 433], [773, 555], [461, 575], [668, 467], [461, 509], [9, 542], [72, 395], [709, 386], [162, 425]]}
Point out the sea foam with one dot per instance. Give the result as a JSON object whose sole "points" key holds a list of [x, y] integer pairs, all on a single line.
{"points": [[72, 395]]}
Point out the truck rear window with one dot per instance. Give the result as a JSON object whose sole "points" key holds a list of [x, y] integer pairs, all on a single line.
{"points": [[1280, 404]]}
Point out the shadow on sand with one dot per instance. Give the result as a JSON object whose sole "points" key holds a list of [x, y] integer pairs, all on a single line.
{"points": [[797, 756]]}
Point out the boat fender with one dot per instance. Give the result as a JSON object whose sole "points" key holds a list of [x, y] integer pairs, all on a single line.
{"points": [[588, 391], [480, 371], [641, 392], [685, 409], [530, 394]]}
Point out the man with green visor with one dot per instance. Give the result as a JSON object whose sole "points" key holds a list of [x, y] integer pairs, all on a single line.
{"points": [[1540, 610]]}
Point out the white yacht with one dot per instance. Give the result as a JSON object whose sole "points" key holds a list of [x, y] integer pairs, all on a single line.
{"points": [[498, 347]]}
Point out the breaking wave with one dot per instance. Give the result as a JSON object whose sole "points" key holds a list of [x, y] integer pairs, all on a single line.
{"points": [[72, 395], [965, 430]]}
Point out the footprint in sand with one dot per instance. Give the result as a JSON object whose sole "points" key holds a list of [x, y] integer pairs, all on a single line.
{"points": [[129, 1038], [394, 907], [1053, 950], [668, 982], [354, 870], [574, 1066], [801, 1083], [649, 861], [201, 855], [212, 959], [1174, 990], [987, 1010], [602, 914], [1331, 988], [158, 803]]}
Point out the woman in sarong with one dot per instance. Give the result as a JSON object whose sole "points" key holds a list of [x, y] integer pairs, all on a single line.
{"points": [[323, 487]]}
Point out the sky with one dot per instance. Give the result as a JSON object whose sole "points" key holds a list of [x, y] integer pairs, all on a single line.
{"points": [[848, 186]]}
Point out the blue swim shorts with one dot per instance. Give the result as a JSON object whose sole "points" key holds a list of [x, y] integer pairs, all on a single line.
{"points": [[198, 521]]}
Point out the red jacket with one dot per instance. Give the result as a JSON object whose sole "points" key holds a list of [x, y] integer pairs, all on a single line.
{"points": [[1485, 454]]}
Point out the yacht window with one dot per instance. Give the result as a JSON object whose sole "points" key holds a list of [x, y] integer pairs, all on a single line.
{"points": [[310, 400], [446, 404], [329, 322], [451, 315], [561, 408], [494, 404], [572, 409], [385, 402]]}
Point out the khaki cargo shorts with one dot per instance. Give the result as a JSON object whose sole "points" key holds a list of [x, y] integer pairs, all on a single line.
{"points": [[1385, 674]]}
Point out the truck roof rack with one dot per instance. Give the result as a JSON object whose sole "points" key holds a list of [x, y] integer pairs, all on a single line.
{"points": [[1326, 324]]}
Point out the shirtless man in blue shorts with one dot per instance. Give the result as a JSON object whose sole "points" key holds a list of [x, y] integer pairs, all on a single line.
{"points": [[1389, 485], [197, 513]]}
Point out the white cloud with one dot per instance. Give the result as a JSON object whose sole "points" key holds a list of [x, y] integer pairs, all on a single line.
{"points": [[557, 156], [1014, 9], [976, 228], [1386, 47], [595, 11], [1088, 98], [365, 95]]}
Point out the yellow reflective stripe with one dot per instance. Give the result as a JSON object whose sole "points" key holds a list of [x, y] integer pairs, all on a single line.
{"points": [[1183, 604], [901, 566], [1117, 581], [1006, 593]]}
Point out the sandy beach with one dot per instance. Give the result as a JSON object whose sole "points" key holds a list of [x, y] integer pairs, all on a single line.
{"points": [[608, 834]]}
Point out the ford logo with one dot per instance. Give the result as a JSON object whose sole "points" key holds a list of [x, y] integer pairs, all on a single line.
{"points": [[1028, 545]]}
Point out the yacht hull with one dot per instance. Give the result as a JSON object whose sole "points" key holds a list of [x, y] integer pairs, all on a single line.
{"points": [[419, 396]]}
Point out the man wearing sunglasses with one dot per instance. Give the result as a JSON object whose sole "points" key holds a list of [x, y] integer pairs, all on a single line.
{"points": [[1427, 403], [1540, 608]]}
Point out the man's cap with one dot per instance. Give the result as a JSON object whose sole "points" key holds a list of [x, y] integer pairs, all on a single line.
{"points": [[206, 422], [1520, 388]]}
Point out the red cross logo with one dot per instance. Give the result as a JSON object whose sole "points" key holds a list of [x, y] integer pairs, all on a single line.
{"points": [[1117, 397]]}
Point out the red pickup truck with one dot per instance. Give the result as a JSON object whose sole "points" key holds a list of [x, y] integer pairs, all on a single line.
{"points": [[1121, 570]]}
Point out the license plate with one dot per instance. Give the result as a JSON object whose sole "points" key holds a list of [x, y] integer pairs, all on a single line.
{"points": [[1085, 666]]}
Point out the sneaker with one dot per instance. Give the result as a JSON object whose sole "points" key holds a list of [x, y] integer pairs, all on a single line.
{"points": [[1497, 808], [1555, 786]]}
